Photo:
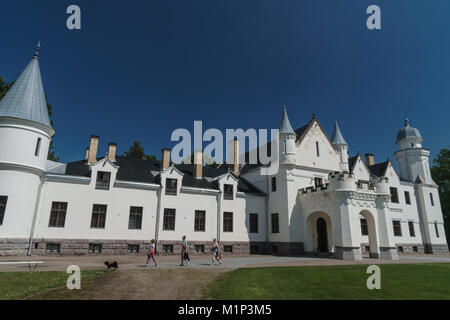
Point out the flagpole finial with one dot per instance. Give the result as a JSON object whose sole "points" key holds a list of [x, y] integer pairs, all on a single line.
{"points": [[38, 47]]}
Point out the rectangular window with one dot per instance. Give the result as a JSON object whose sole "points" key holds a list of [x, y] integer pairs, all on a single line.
{"points": [[167, 248], [228, 222], [95, 248], [274, 184], [200, 248], [394, 195], [98, 216], [317, 149], [275, 223], [407, 198], [38, 147], [400, 249], [412, 232], [397, 228], [228, 249], [58, 214], [171, 187], [53, 248], [274, 249], [253, 222], [3, 201], [318, 182], [169, 219], [432, 200], [253, 249], [133, 248], [199, 222], [228, 192], [364, 228], [415, 249], [135, 221], [437, 229], [103, 179]]}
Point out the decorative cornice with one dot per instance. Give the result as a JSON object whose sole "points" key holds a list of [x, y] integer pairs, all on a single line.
{"points": [[65, 178], [136, 185]]}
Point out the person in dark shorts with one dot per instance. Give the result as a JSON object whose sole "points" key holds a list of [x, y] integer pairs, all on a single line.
{"points": [[184, 252], [216, 254]]}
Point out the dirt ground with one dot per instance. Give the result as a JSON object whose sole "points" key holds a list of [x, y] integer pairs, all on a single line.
{"points": [[156, 284]]}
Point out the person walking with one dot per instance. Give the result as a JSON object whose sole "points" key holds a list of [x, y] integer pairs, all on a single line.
{"points": [[184, 251], [151, 253], [215, 250]]}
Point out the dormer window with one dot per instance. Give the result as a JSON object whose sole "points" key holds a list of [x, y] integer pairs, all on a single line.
{"points": [[171, 186], [103, 179], [228, 192], [38, 147]]}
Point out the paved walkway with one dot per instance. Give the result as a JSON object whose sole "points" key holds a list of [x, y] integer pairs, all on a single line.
{"points": [[86, 262]]}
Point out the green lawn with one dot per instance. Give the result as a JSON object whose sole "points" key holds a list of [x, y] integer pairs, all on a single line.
{"points": [[20, 285], [398, 281]]}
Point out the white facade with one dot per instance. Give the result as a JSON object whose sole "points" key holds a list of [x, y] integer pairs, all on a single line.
{"points": [[319, 202]]}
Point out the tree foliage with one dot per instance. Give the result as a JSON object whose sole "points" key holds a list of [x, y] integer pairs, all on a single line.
{"points": [[440, 171], [136, 150]]}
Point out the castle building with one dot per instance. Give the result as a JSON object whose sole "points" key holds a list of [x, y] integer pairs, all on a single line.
{"points": [[320, 201]]}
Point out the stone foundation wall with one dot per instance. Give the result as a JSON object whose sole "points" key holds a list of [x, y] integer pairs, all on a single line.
{"points": [[19, 247], [347, 253], [13, 247], [437, 248], [286, 248], [410, 248]]}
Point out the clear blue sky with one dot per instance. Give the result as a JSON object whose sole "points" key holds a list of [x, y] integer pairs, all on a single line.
{"points": [[140, 69]]}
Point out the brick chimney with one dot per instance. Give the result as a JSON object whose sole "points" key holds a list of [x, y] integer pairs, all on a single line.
{"points": [[236, 156], [198, 164], [370, 159], [93, 146], [165, 158], [112, 148]]}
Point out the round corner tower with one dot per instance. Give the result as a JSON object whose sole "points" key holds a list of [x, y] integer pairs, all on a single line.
{"points": [[25, 135]]}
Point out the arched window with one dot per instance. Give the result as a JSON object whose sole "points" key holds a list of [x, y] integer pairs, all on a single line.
{"points": [[38, 147]]}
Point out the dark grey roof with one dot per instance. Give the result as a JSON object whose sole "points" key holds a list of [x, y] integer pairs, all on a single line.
{"points": [[408, 132], [352, 162], [140, 170], [26, 98], [379, 169]]}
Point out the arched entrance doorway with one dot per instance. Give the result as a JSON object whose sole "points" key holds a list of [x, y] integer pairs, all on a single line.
{"points": [[319, 233], [369, 235], [322, 238]]}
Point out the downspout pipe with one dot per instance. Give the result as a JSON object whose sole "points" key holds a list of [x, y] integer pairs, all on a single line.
{"points": [[36, 210], [158, 214]]}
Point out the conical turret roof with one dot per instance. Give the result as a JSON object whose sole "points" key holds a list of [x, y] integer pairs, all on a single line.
{"points": [[26, 98], [338, 138], [285, 126]]}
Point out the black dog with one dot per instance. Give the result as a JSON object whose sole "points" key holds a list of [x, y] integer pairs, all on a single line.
{"points": [[112, 265]]}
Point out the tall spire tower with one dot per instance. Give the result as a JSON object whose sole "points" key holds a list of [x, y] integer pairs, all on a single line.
{"points": [[287, 141], [341, 146]]}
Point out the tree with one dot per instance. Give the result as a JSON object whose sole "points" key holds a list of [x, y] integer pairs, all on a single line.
{"points": [[4, 87], [136, 150], [440, 171]]}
